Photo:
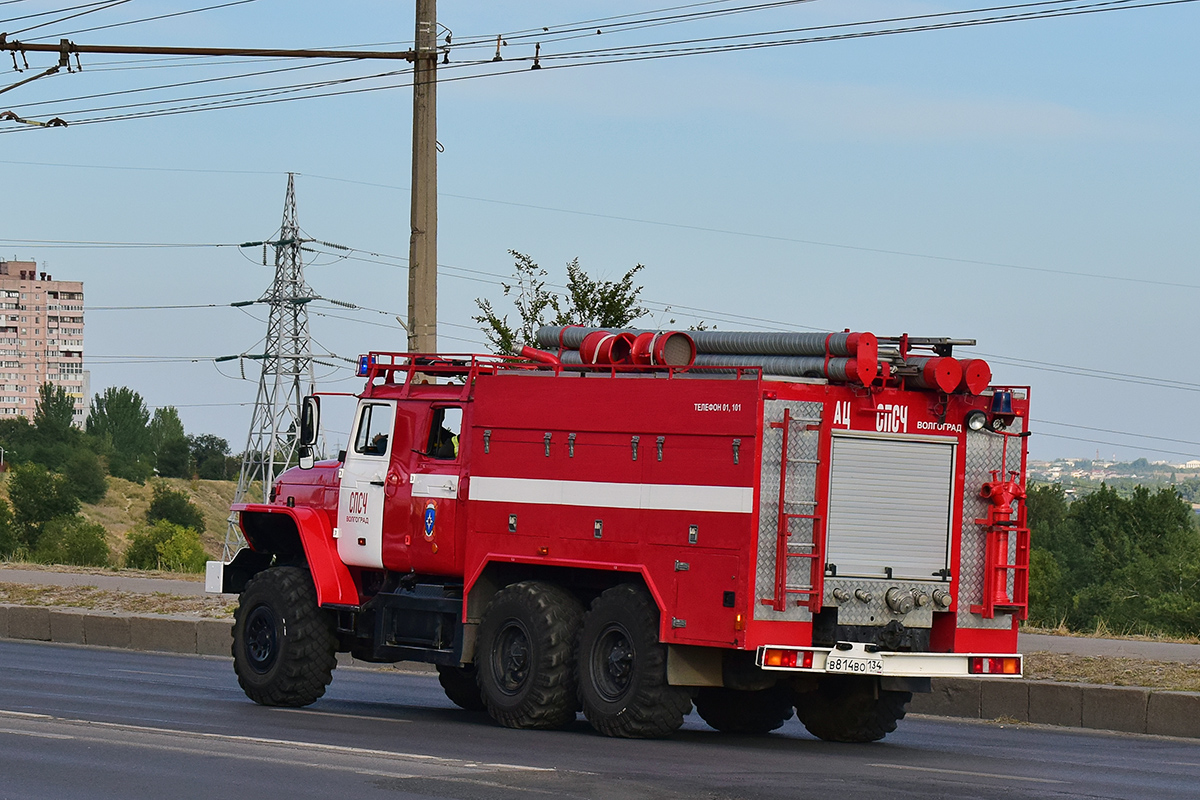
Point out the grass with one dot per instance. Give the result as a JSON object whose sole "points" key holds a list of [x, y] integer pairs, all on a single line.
{"points": [[89, 597], [1103, 630], [1110, 671]]}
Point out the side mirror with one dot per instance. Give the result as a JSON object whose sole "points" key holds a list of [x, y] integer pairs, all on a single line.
{"points": [[310, 426], [310, 420]]}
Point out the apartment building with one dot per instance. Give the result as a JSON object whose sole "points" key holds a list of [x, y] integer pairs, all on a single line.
{"points": [[41, 339]]}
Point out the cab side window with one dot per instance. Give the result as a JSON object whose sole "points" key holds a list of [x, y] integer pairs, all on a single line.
{"points": [[374, 429], [443, 433]]}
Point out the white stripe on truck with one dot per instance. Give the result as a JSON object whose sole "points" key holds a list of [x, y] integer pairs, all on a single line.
{"points": [[647, 496]]}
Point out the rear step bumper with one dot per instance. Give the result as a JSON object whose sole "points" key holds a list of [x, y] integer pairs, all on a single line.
{"points": [[856, 658]]}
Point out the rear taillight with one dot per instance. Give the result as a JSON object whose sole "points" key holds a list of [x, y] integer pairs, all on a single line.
{"points": [[777, 657], [994, 665]]}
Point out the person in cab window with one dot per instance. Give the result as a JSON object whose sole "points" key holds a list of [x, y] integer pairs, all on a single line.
{"points": [[443, 442]]}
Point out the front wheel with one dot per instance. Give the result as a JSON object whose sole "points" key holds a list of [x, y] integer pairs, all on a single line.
{"points": [[847, 708], [623, 668], [284, 645]]}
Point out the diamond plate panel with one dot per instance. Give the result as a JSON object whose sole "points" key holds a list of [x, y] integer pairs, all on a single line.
{"points": [[876, 612], [983, 453], [799, 497]]}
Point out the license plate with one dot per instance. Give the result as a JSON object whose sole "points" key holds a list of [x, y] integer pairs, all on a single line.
{"points": [[855, 665]]}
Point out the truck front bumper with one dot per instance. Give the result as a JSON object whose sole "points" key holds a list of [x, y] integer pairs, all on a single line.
{"points": [[856, 658]]}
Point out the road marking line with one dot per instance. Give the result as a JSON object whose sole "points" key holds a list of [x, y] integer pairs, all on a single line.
{"points": [[25, 714], [337, 714], [298, 745], [16, 732], [966, 773]]}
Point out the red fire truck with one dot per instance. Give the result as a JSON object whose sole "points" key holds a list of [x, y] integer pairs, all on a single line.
{"points": [[631, 538]]}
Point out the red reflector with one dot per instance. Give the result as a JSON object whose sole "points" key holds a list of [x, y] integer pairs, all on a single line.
{"points": [[994, 665], [784, 658]]}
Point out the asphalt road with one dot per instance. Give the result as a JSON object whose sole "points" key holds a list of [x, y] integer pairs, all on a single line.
{"points": [[93, 723]]}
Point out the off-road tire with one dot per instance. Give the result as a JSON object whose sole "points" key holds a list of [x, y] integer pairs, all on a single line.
{"points": [[623, 668], [846, 708], [461, 685], [283, 644], [525, 656], [734, 711]]}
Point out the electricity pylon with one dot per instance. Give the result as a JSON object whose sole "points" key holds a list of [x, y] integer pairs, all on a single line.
{"points": [[287, 372]]}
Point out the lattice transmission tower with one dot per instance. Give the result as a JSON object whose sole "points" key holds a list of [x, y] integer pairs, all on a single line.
{"points": [[287, 371]]}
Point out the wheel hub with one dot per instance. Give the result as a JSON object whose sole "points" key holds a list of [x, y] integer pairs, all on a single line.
{"points": [[512, 658], [613, 661], [262, 639]]}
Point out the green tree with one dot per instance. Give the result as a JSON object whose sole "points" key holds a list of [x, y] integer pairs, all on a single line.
{"points": [[210, 454], [174, 459], [1050, 596], [85, 476], [72, 540], [170, 444], [54, 414], [1131, 563], [164, 426], [10, 542], [175, 507], [588, 301], [600, 304], [38, 496], [120, 420]]}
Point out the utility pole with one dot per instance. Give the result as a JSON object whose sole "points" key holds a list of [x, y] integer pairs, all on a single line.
{"points": [[287, 372], [422, 244]]}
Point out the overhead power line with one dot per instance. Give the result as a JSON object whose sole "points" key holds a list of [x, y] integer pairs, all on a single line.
{"points": [[246, 52]]}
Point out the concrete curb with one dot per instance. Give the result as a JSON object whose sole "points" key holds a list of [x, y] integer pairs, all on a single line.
{"points": [[1070, 705], [1129, 709]]}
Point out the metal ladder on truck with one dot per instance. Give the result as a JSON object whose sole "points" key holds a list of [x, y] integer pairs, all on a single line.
{"points": [[787, 547]]}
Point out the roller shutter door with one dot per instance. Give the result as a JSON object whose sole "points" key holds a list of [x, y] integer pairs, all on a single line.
{"points": [[889, 506]]}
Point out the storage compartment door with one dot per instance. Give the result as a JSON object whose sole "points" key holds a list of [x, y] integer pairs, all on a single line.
{"points": [[889, 507]]}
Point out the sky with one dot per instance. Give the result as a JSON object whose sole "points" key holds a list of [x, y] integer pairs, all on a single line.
{"points": [[1031, 185]]}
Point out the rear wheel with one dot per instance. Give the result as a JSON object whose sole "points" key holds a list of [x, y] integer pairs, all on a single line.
{"points": [[283, 644], [526, 655], [461, 685], [847, 708], [623, 668], [734, 711]]}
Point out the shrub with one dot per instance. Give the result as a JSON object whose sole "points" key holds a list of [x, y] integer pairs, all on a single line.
{"points": [[165, 545], [142, 552], [72, 540], [175, 507], [183, 552]]}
